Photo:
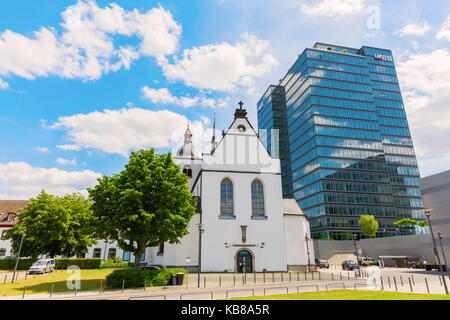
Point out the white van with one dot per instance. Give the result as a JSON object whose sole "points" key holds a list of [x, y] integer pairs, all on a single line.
{"points": [[42, 266]]}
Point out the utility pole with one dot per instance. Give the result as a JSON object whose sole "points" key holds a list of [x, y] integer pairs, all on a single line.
{"points": [[443, 254], [18, 257], [427, 213]]}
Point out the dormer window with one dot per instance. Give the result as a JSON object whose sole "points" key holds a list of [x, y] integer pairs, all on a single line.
{"points": [[10, 217]]}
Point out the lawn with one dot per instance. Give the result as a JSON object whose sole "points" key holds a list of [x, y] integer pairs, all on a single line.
{"points": [[349, 295], [43, 283]]}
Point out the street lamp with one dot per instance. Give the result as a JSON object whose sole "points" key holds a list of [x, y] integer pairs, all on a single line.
{"points": [[200, 231], [308, 269], [355, 236], [18, 256], [188, 260], [443, 254], [427, 213]]}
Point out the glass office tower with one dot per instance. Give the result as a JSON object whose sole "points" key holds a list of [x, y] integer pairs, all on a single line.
{"points": [[345, 146]]}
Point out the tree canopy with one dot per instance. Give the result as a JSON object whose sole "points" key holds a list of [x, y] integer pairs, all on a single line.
{"points": [[54, 226], [369, 225], [146, 204], [406, 222]]}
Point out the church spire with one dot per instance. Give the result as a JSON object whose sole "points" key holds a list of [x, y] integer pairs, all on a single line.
{"points": [[187, 135], [213, 140]]}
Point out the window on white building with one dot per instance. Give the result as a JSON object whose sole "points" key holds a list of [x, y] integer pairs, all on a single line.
{"points": [[257, 199], [226, 198], [2, 252], [111, 252], [3, 235], [126, 256], [97, 253], [160, 250]]}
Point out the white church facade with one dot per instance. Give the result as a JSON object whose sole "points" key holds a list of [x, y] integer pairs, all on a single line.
{"points": [[242, 220]]}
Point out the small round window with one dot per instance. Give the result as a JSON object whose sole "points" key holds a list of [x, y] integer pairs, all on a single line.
{"points": [[241, 128]]}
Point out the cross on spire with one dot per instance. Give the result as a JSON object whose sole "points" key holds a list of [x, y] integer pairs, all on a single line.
{"points": [[240, 104], [240, 113]]}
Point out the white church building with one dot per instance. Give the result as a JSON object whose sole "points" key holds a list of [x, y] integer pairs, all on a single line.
{"points": [[242, 219]]}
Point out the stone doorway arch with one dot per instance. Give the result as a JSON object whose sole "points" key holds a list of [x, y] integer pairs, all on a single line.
{"points": [[244, 258]]}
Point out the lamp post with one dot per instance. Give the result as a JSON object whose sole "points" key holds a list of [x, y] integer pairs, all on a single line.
{"points": [[188, 260], [443, 254], [427, 213], [200, 231], [18, 256], [356, 248], [309, 255]]}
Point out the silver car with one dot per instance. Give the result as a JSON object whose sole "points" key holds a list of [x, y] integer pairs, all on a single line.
{"points": [[42, 266]]}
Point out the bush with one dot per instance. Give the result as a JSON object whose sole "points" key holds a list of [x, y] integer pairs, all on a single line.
{"points": [[9, 264], [135, 278], [114, 265], [93, 263], [114, 260]]}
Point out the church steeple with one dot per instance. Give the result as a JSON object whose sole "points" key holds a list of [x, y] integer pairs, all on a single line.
{"points": [[213, 140], [188, 135]]}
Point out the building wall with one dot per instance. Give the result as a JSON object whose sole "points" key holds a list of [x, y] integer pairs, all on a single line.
{"points": [[222, 238], [297, 249]]}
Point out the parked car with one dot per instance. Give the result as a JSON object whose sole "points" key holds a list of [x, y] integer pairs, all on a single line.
{"points": [[150, 267], [349, 265], [322, 263], [42, 266]]}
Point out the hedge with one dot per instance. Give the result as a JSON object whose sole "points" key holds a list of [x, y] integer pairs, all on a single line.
{"points": [[135, 278], [9, 264], [114, 265], [25, 264], [93, 263]]}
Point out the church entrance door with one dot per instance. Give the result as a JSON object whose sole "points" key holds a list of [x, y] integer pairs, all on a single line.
{"points": [[244, 261]]}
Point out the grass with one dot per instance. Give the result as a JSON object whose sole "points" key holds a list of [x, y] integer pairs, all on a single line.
{"points": [[349, 295], [43, 283]]}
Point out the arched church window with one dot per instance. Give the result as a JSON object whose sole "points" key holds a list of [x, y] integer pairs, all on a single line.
{"points": [[226, 197], [188, 172], [257, 198]]}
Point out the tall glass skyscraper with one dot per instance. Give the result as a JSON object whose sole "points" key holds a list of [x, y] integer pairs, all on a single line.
{"points": [[344, 141]]}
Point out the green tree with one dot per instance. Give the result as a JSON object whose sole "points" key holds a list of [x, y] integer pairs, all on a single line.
{"points": [[146, 204], [406, 222], [54, 226], [369, 225]]}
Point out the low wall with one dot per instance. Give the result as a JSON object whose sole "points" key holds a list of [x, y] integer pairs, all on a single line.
{"points": [[419, 245]]}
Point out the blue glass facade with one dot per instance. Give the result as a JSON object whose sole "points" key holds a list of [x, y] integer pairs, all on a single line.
{"points": [[344, 141]]}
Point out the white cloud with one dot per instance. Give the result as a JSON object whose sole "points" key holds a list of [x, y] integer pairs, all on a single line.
{"points": [[222, 66], [69, 147], [66, 162], [85, 48], [42, 149], [120, 131], [444, 31], [334, 8], [3, 84], [425, 80], [163, 96], [20, 180], [413, 29]]}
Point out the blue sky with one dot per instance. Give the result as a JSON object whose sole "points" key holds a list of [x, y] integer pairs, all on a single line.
{"points": [[83, 83]]}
